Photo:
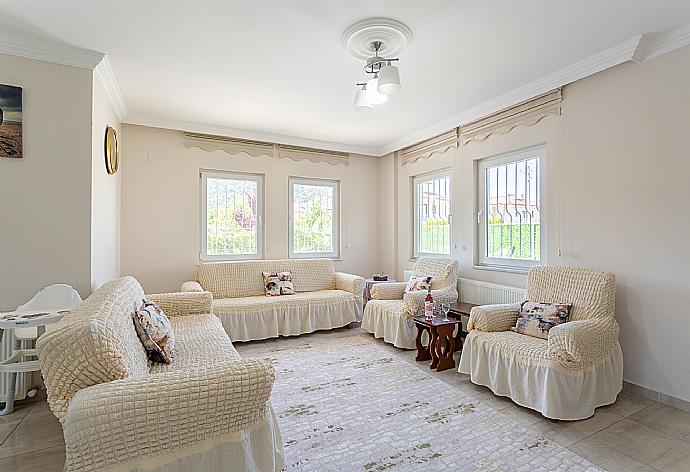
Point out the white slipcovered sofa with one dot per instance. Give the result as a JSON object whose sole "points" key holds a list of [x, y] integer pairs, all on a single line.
{"points": [[579, 367], [325, 299], [390, 312], [207, 411]]}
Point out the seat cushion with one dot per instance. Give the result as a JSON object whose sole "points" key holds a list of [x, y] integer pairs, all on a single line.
{"points": [[200, 340], [510, 344], [244, 305], [252, 318]]}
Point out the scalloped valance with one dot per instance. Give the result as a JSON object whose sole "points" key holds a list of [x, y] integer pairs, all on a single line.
{"points": [[527, 113], [425, 149], [210, 143]]}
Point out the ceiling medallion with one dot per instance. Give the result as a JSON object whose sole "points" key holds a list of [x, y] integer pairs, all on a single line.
{"points": [[378, 41]]}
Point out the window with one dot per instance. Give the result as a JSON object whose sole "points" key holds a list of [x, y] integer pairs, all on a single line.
{"points": [[313, 219], [509, 213], [231, 216], [432, 215]]}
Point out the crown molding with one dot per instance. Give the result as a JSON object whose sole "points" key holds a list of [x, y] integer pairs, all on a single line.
{"points": [[613, 56], [34, 47], [238, 133], [657, 44], [105, 76]]}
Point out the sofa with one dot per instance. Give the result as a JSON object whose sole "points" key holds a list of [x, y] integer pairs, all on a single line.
{"points": [[324, 298], [208, 410], [390, 312], [565, 377]]}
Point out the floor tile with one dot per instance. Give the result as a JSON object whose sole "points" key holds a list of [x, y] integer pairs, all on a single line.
{"points": [[33, 434], [608, 458], [668, 420], [627, 404], [647, 445], [45, 460], [567, 433]]}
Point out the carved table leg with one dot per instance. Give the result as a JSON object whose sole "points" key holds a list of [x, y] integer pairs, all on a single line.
{"points": [[423, 352], [432, 347], [445, 347]]}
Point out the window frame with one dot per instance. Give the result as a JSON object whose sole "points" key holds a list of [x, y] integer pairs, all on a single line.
{"points": [[335, 184], [204, 175], [443, 173], [482, 261]]}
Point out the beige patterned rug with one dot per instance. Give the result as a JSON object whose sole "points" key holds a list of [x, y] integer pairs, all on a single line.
{"points": [[349, 404]]}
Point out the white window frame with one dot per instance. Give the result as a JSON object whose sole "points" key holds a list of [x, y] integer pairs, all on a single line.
{"points": [[204, 175], [335, 184], [444, 173], [482, 261]]}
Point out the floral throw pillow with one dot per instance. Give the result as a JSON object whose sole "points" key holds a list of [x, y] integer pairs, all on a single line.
{"points": [[418, 282], [155, 332], [536, 319], [278, 283]]}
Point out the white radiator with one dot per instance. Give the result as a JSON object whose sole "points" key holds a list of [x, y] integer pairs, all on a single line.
{"points": [[486, 293], [7, 347]]}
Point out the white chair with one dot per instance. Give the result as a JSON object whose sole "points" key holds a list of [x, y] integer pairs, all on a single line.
{"points": [[54, 298]]}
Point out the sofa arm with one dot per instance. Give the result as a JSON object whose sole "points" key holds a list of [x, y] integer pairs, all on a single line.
{"points": [[493, 317], [183, 303], [125, 420], [353, 284], [580, 344], [388, 291], [191, 286], [414, 301]]}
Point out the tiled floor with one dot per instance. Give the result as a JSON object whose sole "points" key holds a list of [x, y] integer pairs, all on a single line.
{"points": [[634, 434]]}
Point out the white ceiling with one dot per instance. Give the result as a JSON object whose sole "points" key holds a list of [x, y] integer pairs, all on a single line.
{"points": [[278, 67]]}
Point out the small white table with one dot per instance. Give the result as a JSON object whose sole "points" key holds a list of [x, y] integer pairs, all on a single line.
{"points": [[18, 361]]}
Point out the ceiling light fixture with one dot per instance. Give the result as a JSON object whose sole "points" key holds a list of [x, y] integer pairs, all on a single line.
{"points": [[369, 39]]}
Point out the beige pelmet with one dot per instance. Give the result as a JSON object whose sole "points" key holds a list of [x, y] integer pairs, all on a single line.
{"points": [[120, 412]]}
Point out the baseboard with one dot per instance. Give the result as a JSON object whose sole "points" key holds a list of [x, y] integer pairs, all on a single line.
{"points": [[658, 397]]}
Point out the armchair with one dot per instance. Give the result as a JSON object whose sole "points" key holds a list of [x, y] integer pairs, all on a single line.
{"points": [[577, 369], [390, 311]]}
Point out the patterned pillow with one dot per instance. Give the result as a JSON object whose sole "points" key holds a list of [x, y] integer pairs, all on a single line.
{"points": [[278, 283], [536, 319], [418, 282], [155, 331]]}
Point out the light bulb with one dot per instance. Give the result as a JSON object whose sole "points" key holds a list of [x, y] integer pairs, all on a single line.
{"points": [[373, 95]]}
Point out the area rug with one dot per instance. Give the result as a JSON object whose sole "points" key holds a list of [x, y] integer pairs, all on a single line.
{"points": [[350, 404]]}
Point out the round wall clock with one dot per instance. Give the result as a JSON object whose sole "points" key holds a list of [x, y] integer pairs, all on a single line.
{"points": [[112, 150]]}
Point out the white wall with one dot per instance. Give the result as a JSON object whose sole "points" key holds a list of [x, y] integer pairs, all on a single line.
{"points": [[45, 197], [105, 195], [161, 202], [616, 198]]}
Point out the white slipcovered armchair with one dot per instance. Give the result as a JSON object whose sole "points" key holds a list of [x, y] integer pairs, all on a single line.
{"points": [[390, 312], [579, 367]]}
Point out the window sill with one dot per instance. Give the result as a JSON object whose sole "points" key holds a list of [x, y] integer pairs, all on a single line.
{"points": [[511, 270]]}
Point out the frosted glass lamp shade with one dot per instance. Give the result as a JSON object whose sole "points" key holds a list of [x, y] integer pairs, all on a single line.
{"points": [[389, 79], [373, 95], [361, 103]]}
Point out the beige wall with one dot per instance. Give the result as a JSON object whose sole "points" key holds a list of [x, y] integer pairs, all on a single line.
{"points": [[616, 193], [105, 196], [160, 205], [45, 197]]}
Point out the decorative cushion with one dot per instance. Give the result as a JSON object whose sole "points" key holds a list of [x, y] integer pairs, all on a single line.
{"points": [[155, 331], [418, 282], [278, 283], [536, 319]]}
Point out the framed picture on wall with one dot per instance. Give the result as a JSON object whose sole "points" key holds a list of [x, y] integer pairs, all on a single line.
{"points": [[11, 121]]}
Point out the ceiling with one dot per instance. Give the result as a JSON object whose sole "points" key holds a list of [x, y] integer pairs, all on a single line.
{"points": [[278, 66]]}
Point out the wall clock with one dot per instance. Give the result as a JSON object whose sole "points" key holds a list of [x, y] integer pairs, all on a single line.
{"points": [[112, 150]]}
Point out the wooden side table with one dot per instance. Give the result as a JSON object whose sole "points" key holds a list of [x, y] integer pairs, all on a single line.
{"points": [[441, 342], [457, 311]]}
